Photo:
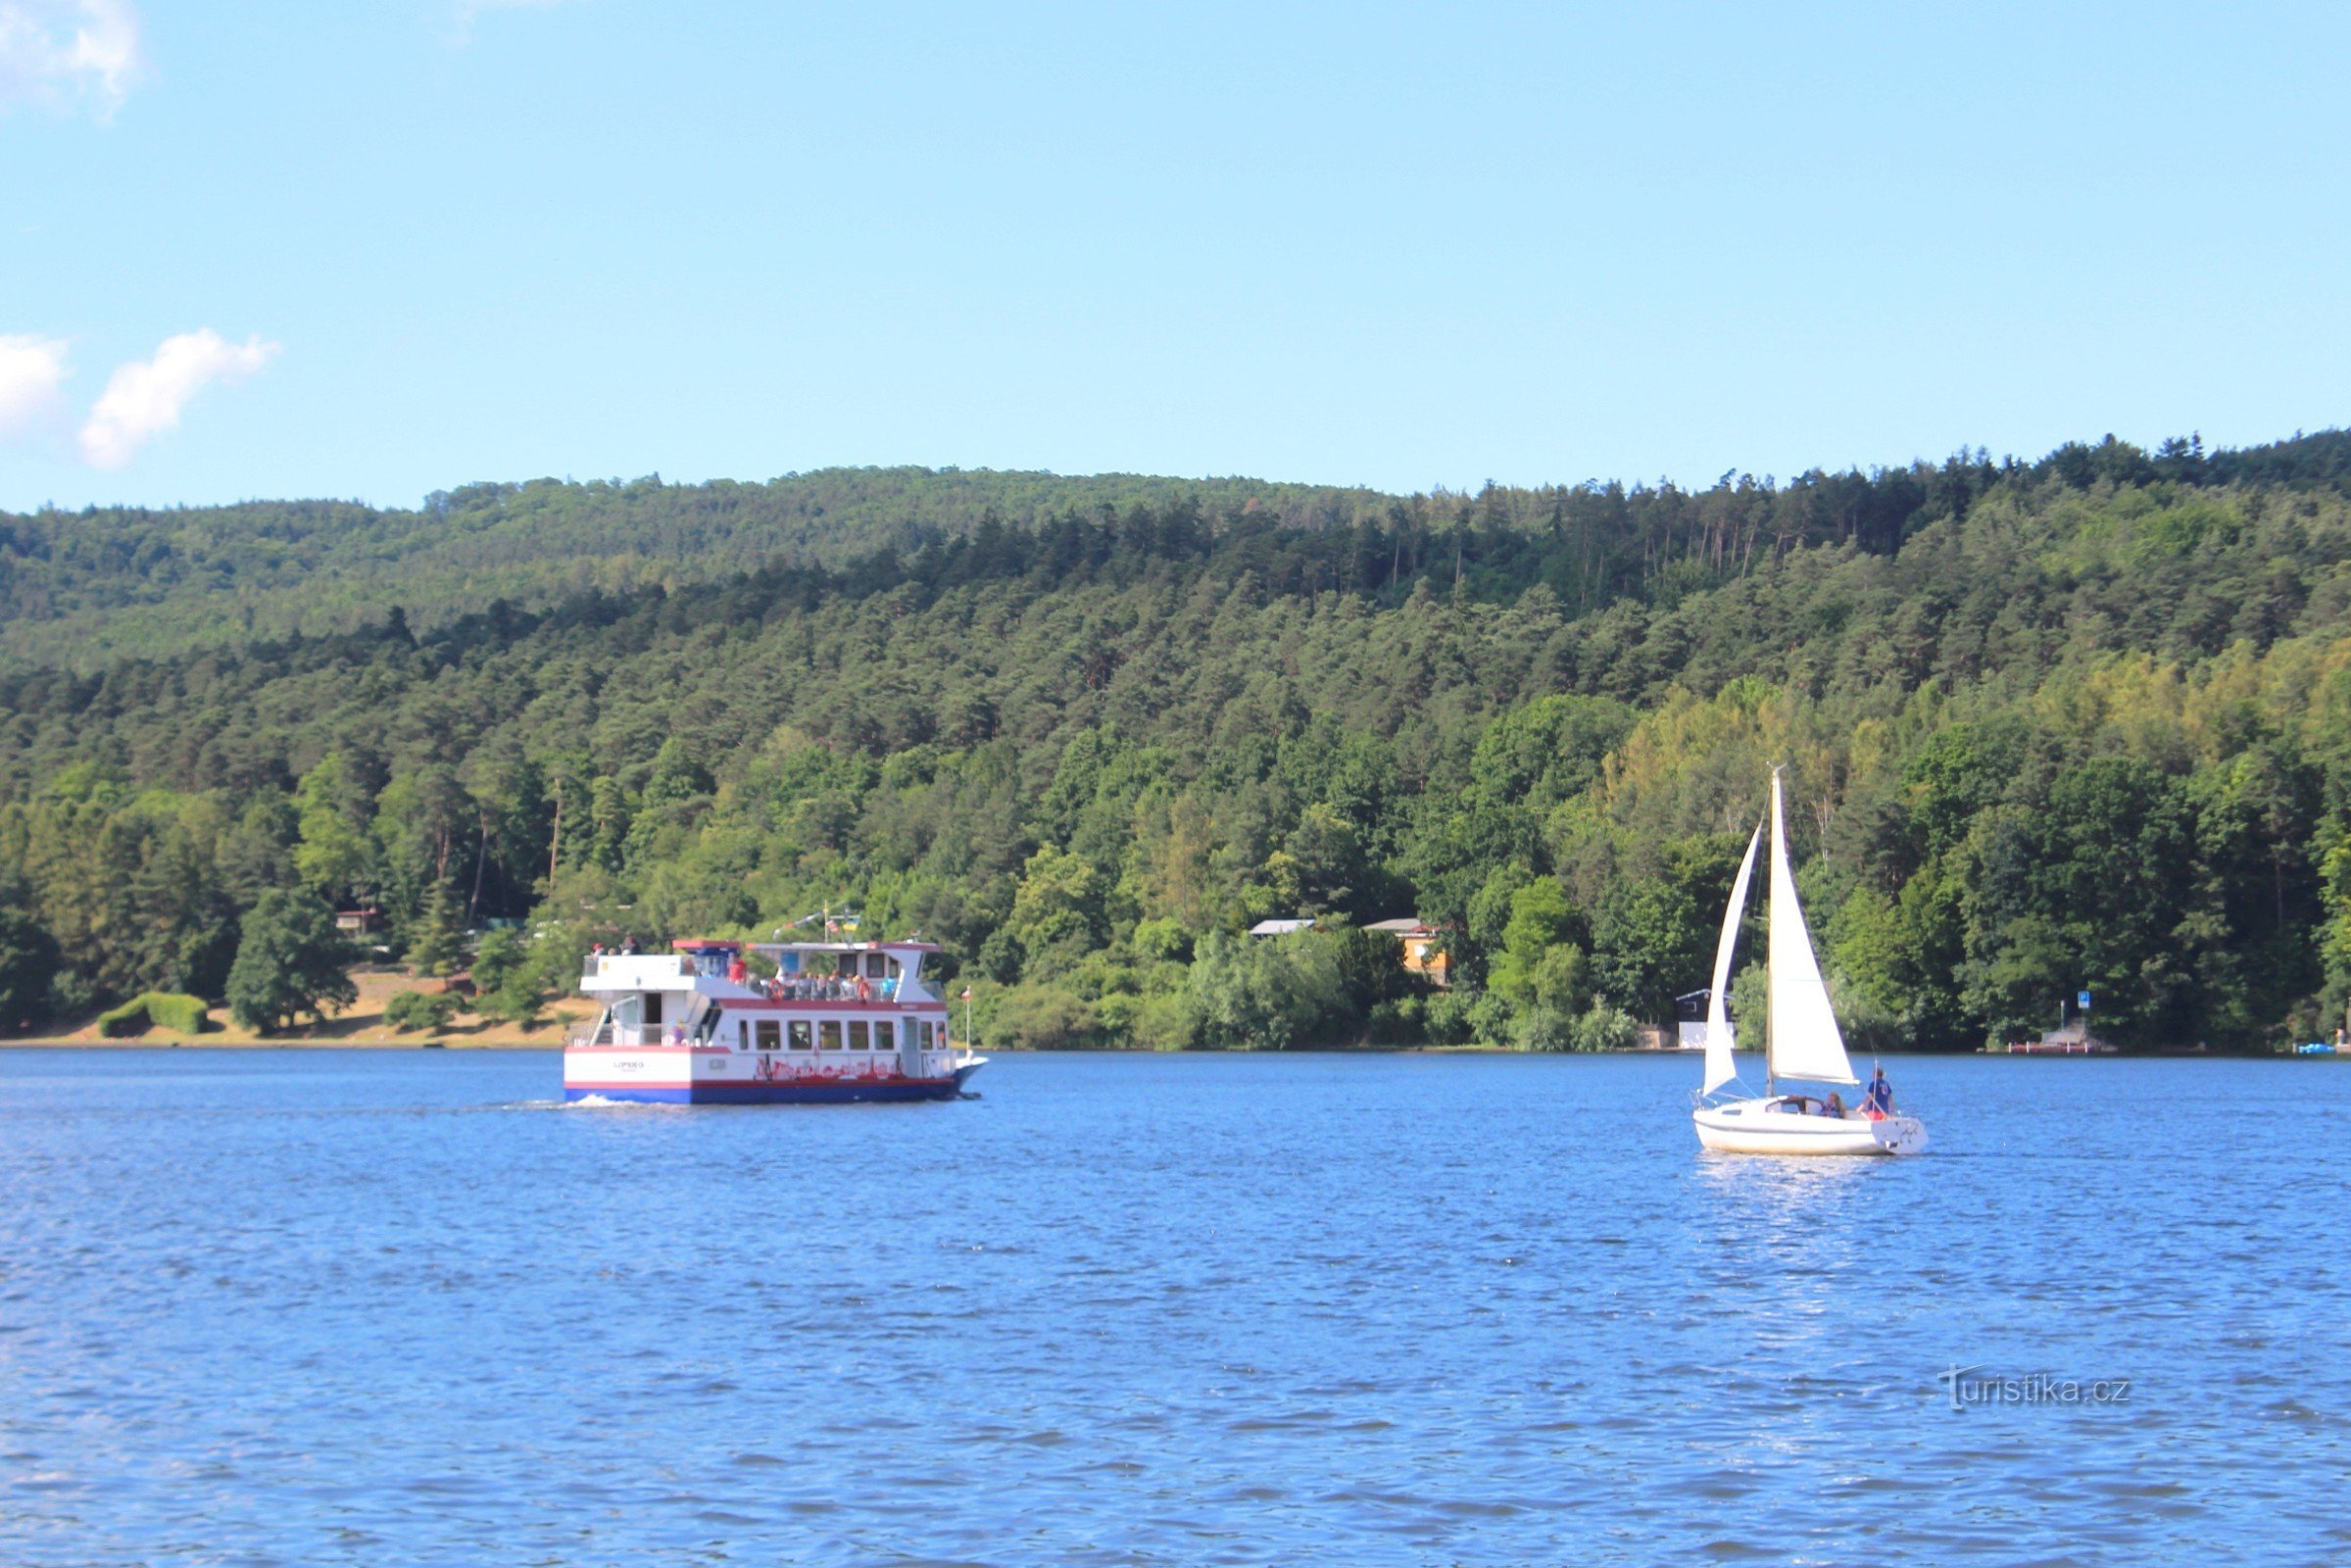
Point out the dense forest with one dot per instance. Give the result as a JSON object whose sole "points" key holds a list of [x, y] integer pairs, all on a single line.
{"points": [[2076, 723]]}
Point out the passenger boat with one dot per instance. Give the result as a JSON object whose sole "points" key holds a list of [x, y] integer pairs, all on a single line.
{"points": [[1801, 1041], [837, 1022]]}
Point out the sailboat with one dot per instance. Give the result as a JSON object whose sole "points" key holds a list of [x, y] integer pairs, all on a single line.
{"points": [[1801, 1041]]}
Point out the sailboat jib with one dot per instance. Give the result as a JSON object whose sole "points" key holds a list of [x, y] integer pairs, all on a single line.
{"points": [[1720, 1043], [1804, 1039]]}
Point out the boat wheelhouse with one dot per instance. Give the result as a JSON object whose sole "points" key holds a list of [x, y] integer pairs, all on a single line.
{"points": [[835, 1023]]}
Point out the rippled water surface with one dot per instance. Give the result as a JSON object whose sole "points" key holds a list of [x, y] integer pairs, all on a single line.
{"points": [[394, 1307]]}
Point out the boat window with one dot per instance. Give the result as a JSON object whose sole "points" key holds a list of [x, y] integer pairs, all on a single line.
{"points": [[800, 1034], [885, 1035], [876, 965], [828, 1035], [896, 970], [857, 1034], [925, 1035], [653, 1006], [770, 1035], [742, 1034]]}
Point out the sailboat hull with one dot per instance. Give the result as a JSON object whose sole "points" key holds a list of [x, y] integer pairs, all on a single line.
{"points": [[1762, 1127]]}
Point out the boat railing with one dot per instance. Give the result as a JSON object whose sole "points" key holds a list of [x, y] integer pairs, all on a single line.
{"points": [[835, 988]]}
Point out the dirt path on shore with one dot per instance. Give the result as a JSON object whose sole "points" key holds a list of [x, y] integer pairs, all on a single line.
{"points": [[362, 1025]]}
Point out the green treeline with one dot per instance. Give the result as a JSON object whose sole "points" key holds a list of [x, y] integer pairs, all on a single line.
{"points": [[2076, 723], [83, 588]]}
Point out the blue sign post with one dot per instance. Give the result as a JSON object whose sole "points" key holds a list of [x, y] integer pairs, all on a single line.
{"points": [[2084, 999]]}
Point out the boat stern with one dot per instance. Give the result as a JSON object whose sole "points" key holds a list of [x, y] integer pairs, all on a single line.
{"points": [[659, 1075], [1900, 1135]]}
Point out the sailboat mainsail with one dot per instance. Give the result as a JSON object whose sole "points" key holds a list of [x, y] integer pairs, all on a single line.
{"points": [[1804, 1039], [1720, 1069]]}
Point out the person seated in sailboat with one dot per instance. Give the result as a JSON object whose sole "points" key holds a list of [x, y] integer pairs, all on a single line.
{"points": [[1835, 1106]]}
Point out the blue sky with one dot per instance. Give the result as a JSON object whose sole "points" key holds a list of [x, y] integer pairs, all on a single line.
{"points": [[380, 247]]}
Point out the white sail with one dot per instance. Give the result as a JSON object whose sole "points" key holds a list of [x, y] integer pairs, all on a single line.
{"points": [[1804, 1040], [1720, 1069]]}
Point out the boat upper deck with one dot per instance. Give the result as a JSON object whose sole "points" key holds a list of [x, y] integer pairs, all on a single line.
{"points": [[887, 973]]}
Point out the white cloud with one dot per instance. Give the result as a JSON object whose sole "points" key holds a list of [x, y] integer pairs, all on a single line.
{"points": [[144, 397], [69, 52], [31, 369]]}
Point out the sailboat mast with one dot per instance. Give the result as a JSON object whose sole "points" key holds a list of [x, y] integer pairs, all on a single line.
{"points": [[1771, 959]]}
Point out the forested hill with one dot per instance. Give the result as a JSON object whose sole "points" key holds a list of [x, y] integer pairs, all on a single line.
{"points": [[82, 589], [88, 586], [2081, 724]]}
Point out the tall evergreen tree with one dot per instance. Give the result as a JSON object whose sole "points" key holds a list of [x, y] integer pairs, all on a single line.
{"points": [[439, 947]]}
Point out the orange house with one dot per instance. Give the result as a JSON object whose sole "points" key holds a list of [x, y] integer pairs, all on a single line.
{"points": [[1423, 955]]}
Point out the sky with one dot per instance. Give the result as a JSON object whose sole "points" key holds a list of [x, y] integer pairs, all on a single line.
{"points": [[381, 247]]}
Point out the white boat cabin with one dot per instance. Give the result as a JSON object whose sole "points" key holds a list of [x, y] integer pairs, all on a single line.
{"points": [[840, 1002]]}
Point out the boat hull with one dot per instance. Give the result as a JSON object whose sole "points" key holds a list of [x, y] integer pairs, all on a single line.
{"points": [[604, 1087], [1759, 1127]]}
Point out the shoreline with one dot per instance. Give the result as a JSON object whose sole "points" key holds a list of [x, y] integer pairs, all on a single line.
{"points": [[211, 1042], [207, 1042]]}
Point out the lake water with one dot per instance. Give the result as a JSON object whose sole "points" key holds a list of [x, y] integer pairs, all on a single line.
{"points": [[384, 1308]]}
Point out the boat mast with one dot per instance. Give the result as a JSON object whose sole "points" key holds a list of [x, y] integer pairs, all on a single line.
{"points": [[1770, 959]]}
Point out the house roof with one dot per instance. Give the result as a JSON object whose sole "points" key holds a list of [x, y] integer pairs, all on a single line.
{"points": [[1280, 928], [1402, 925]]}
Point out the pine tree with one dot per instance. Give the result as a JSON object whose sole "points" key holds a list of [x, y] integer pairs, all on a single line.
{"points": [[440, 944]]}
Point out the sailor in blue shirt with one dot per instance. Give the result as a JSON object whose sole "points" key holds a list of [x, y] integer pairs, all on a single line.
{"points": [[1880, 1094]]}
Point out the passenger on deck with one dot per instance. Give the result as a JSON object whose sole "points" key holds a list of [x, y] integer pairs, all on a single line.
{"points": [[1881, 1098], [1835, 1106]]}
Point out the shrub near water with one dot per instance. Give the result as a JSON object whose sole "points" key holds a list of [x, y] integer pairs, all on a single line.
{"points": [[417, 1010], [170, 1011], [176, 1014]]}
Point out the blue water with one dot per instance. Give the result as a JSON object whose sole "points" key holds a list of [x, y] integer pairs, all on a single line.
{"points": [[312, 1307]]}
